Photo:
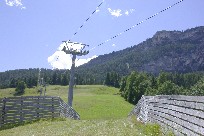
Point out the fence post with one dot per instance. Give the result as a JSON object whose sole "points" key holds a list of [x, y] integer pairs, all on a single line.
{"points": [[3, 110], [38, 108], [52, 107], [60, 109], [21, 110]]}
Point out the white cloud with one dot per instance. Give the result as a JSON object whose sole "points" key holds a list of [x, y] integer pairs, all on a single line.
{"points": [[115, 13], [83, 61], [23, 7], [126, 12], [132, 10], [61, 60], [97, 10], [113, 45], [119, 12], [16, 3]]}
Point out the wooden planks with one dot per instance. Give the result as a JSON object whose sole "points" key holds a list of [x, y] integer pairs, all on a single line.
{"points": [[20, 109], [183, 114]]}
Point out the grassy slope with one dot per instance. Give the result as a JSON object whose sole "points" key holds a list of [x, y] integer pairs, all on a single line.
{"points": [[102, 110], [100, 102], [66, 127]]}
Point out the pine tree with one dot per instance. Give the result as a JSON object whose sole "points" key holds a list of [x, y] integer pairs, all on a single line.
{"points": [[20, 89], [13, 83], [107, 80], [54, 78], [64, 80]]}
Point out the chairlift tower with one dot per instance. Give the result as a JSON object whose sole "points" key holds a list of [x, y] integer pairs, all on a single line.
{"points": [[74, 52]]}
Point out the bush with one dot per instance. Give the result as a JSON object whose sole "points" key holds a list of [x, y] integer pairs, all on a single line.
{"points": [[169, 88], [134, 86], [20, 89], [197, 89]]}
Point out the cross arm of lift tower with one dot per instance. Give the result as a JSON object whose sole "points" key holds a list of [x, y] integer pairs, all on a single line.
{"points": [[71, 50]]}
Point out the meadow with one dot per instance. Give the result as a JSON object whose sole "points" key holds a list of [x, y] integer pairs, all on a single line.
{"points": [[102, 110]]}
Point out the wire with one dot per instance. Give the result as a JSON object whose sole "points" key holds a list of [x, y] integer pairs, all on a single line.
{"points": [[138, 23], [82, 26], [87, 19]]}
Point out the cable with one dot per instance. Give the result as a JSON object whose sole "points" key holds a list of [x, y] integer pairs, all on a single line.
{"points": [[87, 20], [83, 25], [138, 24]]}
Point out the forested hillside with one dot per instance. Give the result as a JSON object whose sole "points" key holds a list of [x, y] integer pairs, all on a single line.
{"points": [[170, 51]]}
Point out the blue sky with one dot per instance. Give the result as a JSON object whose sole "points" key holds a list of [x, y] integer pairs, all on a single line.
{"points": [[31, 31]]}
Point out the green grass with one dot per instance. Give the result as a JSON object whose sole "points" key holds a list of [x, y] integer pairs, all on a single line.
{"points": [[100, 102], [67, 127], [103, 112], [10, 92]]}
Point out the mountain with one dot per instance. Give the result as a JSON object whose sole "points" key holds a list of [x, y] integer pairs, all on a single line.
{"points": [[170, 51]]}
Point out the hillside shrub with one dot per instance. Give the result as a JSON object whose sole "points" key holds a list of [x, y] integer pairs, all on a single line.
{"points": [[20, 89]]}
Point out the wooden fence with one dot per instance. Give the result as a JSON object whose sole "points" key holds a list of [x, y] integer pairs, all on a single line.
{"points": [[27, 108], [184, 115]]}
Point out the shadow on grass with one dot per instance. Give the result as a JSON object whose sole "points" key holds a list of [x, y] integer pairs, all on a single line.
{"points": [[18, 94], [13, 125]]}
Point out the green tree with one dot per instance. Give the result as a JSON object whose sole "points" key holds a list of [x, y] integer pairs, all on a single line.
{"points": [[135, 86], [107, 80], [151, 91], [169, 88], [29, 83], [64, 79], [163, 77], [153, 82], [20, 89], [123, 85], [112, 79], [117, 80], [13, 83], [54, 78], [142, 82], [197, 89], [130, 88]]}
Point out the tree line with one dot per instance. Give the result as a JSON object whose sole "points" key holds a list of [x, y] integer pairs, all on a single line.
{"points": [[133, 86], [30, 77]]}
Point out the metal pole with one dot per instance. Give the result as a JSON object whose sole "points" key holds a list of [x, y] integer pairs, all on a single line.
{"points": [[71, 82], [45, 89]]}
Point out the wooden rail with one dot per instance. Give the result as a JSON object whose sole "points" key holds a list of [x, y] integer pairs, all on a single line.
{"points": [[27, 108], [184, 115]]}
